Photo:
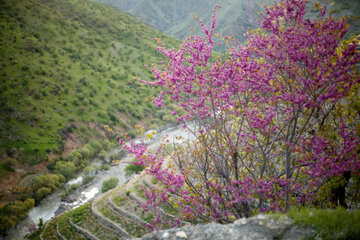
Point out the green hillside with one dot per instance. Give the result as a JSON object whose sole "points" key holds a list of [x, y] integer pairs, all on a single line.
{"points": [[66, 70], [174, 17], [71, 61]]}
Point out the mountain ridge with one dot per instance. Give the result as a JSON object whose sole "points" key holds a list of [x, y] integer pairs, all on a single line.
{"points": [[235, 18]]}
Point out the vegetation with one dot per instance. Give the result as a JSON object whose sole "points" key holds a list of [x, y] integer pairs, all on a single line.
{"points": [[43, 185], [58, 67], [330, 224], [109, 184], [236, 17], [13, 213], [276, 119], [133, 168], [70, 189], [67, 70], [339, 223]]}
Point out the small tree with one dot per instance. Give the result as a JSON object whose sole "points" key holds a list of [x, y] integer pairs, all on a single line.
{"points": [[41, 223], [42, 193], [67, 169], [267, 133]]}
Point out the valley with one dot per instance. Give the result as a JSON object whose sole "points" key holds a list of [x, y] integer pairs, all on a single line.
{"points": [[70, 93]]}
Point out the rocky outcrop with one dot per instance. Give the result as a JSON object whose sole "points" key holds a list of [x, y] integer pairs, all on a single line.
{"points": [[259, 227]]}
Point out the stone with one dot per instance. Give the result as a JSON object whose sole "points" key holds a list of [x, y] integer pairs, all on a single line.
{"points": [[181, 234], [258, 227]]}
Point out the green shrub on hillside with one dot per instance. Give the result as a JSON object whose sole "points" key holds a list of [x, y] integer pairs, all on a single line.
{"points": [[67, 169], [52, 181], [13, 213], [41, 193], [109, 184]]}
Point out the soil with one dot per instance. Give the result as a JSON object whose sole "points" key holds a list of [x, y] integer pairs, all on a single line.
{"points": [[72, 142], [98, 129], [17, 182]]}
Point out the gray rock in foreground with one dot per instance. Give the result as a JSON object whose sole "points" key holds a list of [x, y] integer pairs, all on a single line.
{"points": [[259, 227]]}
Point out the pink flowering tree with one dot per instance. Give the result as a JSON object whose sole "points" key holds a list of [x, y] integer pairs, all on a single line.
{"points": [[268, 133]]}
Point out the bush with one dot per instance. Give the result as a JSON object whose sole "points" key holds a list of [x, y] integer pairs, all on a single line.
{"points": [[13, 213], [71, 189], [132, 169], [87, 179], [51, 181], [42, 193], [106, 167], [109, 184], [67, 169], [102, 155]]}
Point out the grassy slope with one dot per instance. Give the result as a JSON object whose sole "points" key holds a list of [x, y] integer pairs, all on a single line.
{"points": [[70, 61], [235, 17], [175, 17]]}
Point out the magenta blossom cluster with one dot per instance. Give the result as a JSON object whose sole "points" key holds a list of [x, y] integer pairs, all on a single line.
{"points": [[266, 115]]}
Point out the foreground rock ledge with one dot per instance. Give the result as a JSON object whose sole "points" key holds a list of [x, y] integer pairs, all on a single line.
{"points": [[258, 227]]}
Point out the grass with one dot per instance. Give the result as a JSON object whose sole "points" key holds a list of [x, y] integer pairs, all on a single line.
{"points": [[67, 68], [234, 18], [66, 64], [329, 223], [138, 190], [131, 169], [119, 200]]}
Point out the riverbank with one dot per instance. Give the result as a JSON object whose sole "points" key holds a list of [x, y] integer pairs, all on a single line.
{"points": [[53, 205]]}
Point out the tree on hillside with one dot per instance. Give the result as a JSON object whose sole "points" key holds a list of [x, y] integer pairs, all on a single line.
{"points": [[273, 119]]}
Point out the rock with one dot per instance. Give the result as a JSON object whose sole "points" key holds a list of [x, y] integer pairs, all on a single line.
{"points": [[67, 199], [258, 227], [62, 208], [181, 234]]}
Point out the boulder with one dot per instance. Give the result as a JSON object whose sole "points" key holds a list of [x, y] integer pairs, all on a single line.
{"points": [[258, 227]]}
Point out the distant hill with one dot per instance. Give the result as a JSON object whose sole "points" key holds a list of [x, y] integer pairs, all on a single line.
{"points": [[66, 70], [174, 17]]}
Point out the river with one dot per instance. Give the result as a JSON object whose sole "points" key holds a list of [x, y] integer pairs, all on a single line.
{"points": [[48, 206]]}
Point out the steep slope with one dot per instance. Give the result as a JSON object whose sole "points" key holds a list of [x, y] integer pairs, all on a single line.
{"points": [[174, 17], [69, 61], [67, 70]]}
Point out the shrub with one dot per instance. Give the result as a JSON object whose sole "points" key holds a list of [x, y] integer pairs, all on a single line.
{"points": [[87, 179], [133, 168], [67, 169], [13, 213], [109, 184], [106, 166], [42, 193]]}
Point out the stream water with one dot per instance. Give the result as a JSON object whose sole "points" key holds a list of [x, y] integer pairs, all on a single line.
{"points": [[48, 206]]}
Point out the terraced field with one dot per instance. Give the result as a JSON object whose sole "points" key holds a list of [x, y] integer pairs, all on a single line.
{"points": [[116, 214]]}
